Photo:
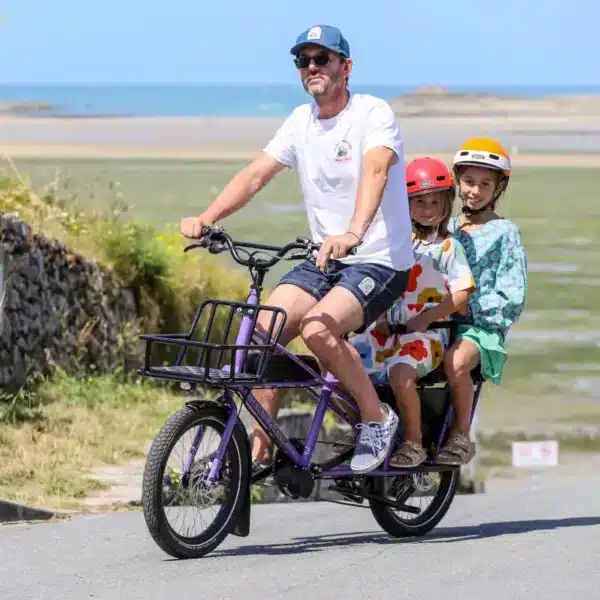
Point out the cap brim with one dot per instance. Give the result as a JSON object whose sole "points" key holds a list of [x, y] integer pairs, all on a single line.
{"points": [[295, 49]]}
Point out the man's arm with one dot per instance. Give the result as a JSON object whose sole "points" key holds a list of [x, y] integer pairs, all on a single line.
{"points": [[376, 165]]}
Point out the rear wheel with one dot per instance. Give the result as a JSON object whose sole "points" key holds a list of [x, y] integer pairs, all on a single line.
{"points": [[432, 493], [172, 494]]}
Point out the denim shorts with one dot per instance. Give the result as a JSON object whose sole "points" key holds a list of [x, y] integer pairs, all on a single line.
{"points": [[376, 287]]}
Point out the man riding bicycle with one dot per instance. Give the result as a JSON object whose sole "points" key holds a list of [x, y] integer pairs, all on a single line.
{"points": [[350, 160]]}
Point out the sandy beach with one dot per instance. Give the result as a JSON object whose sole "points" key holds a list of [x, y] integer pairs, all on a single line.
{"points": [[549, 132]]}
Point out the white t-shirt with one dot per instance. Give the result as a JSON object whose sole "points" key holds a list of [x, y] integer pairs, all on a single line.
{"points": [[328, 154]]}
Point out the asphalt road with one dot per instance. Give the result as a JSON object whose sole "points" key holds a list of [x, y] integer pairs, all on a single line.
{"points": [[513, 542]]}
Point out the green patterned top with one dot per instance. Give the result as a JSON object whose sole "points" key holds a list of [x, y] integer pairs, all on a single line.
{"points": [[499, 265]]}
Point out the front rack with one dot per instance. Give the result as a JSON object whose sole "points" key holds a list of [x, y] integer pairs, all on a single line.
{"points": [[215, 357]]}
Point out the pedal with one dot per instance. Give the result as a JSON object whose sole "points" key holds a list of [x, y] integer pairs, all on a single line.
{"points": [[262, 474]]}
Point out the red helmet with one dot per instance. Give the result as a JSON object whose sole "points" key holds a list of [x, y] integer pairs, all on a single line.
{"points": [[426, 174]]}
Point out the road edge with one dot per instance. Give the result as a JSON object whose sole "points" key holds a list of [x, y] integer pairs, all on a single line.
{"points": [[14, 511]]}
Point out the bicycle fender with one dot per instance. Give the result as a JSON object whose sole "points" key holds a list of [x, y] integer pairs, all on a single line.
{"points": [[241, 526]]}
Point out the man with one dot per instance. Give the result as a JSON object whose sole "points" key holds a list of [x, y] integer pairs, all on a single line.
{"points": [[350, 160]]}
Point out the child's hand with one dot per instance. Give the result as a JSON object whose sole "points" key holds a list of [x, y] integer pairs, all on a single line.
{"points": [[420, 323], [381, 325]]}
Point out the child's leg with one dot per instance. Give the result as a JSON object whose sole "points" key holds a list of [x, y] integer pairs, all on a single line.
{"points": [[459, 361], [403, 379], [410, 453], [417, 354]]}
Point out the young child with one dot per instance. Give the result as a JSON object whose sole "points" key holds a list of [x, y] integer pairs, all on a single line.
{"points": [[440, 284], [497, 259]]}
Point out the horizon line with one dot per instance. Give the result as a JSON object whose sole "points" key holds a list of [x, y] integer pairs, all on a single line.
{"points": [[288, 84]]}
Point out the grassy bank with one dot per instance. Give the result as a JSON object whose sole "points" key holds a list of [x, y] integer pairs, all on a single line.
{"points": [[53, 431], [67, 426]]}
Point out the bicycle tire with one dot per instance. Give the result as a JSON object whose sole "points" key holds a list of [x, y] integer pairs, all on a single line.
{"points": [[424, 523], [152, 498]]}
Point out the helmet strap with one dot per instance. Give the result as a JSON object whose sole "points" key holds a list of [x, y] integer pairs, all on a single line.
{"points": [[491, 205], [466, 210]]}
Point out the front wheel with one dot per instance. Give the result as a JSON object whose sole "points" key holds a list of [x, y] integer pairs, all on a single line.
{"points": [[175, 490], [414, 491]]}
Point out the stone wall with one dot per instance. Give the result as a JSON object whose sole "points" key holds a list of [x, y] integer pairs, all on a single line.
{"points": [[57, 307]]}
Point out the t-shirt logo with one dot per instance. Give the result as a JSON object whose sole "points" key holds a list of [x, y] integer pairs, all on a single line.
{"points": [[342, 152]]}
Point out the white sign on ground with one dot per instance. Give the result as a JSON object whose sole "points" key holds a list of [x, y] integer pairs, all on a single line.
{"points": [[532, 455]]}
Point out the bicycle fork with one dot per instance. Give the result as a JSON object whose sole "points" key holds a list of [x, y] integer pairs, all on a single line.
{"points": [[218, 456]]}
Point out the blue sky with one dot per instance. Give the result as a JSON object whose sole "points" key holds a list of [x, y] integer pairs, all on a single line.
{"points": [[398, 42]]}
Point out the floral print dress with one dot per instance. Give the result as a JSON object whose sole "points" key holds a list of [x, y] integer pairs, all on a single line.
{"points": [[440, 268]]}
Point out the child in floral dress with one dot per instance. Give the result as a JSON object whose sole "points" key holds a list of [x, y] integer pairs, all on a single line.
{"points": [[440, 284], [497, 258]]}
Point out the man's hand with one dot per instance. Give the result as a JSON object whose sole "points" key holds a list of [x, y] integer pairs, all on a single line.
{"points": [[420, 323], [335, 246], [191, 227]]}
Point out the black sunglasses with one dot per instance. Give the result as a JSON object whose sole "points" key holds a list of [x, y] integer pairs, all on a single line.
{"points": [[320, 60]]}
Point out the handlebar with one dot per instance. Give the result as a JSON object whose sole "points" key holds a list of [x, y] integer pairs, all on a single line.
{"points": [[217, 240]]}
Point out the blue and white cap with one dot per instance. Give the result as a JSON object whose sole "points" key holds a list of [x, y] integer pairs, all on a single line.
{"points": [[323, 35]]}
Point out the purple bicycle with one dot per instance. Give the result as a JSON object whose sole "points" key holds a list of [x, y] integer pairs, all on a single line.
{"points": [[225, 351]]}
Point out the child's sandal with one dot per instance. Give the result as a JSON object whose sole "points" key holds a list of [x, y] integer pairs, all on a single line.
{"points": [[408, 454], [459, 450]]}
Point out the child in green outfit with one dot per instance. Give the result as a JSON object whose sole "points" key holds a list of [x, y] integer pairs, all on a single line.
{"points": [[497, 260]]}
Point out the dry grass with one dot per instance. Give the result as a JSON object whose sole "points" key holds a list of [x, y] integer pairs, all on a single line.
{"points": [[71, 425]]}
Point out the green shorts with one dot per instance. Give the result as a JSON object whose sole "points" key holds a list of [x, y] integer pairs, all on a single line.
{"points": [[490, 344]]}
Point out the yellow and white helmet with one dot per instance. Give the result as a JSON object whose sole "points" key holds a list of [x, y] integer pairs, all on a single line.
{"points": [[483, 152]]}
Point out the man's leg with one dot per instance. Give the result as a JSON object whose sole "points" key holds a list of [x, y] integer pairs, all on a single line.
{"points": [[363, 293], [296, 303], [322, 330]]}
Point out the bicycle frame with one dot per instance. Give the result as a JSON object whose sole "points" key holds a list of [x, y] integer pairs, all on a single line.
{"points": [[329, 384]]}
